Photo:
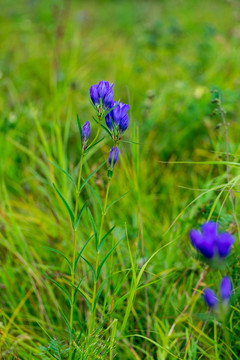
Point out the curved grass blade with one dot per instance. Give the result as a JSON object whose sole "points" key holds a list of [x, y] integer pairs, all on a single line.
{"points": [[104, 238], [66, 204], [60, 287], [79, 255], [79, 215], [98, 294], [91, 268], [89, 177], [105, 258], [64, 171], [93, 226], [97, 196], [60, 253], [90, 147], [67, 324], [114, 201], [79, 127]]}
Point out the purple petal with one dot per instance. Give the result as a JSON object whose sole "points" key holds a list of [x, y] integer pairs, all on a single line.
{"points": [[124, 123], [224, 244], [209, 228], [225, 288], [103, 88], [195, 237], [210, 298], [109, 121]]}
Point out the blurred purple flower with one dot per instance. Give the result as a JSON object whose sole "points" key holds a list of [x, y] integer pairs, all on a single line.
{"points": [[210, 298], [86, 131], [102, 93], [211, 243], [116, 153], [225, 288]]}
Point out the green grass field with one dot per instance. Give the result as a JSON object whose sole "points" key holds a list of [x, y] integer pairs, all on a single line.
{"points": [[178, 168]]}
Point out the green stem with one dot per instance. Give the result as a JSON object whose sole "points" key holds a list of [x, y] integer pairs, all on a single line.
{"points": [[98, 131], [75, 242], [92, 320]]}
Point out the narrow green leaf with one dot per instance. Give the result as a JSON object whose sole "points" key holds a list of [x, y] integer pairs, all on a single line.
{"points": [[103, 126], [79, 216], [60, 287], [93, 145], [79, 255], [97, 196], [106, 257], [93, 226], [98, 294], [65, 203], [90, 266], [79, 127], [114, 201], [60, 253], [67, 324], [104, 238], [64, 171], [79, 284], [89, 177]]}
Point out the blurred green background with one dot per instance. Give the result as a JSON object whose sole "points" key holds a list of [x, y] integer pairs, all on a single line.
{"points": [[165, 58]]}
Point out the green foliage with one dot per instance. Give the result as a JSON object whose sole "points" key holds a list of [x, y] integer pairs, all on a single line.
{"points": [[164, 59]]}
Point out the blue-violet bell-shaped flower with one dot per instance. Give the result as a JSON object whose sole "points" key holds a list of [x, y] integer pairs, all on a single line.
{"points": [[102, 93], [225, 289], [118, 115], [86, 131], [209, 242], [111, 160], [210, 298]]}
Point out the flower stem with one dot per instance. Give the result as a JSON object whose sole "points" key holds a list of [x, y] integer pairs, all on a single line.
{"points": [[75, 241], [98, 130], [92, 320]]}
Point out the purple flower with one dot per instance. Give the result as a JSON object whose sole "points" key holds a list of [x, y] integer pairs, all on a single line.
{"points": [[118, 116], [209, 242], [225, 289], [210, 298], [86, 131], [102, 93], [116, 153]]}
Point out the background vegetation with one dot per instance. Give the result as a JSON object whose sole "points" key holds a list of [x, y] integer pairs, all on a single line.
{"points": [[164, 57]]}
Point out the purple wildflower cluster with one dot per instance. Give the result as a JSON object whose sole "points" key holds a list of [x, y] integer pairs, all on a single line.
{"points": [[115, 114], [210, 243], [214, 245]]}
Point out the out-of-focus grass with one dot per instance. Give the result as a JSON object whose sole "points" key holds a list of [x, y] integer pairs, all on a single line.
{"points": [[164, 58]]}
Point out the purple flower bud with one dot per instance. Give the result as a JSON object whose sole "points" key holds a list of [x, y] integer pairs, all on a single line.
{"points": [[209, 243], [102, 93], [210, 298], [225, 242], [225, 288], [86, 131], [116, 153]]}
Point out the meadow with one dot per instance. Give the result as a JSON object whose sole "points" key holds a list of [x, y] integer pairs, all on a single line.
{"points": [[95, 258]]}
